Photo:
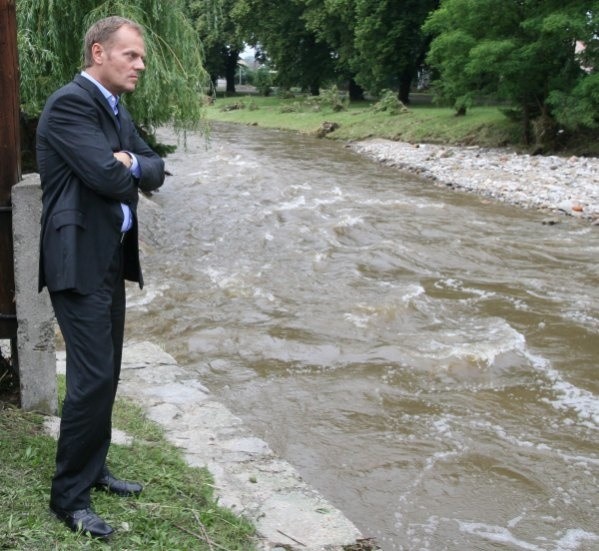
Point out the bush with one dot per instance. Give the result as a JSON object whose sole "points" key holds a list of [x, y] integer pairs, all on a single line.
{"points": [[294, 107], [333, 99], [263, 81], [389, 103], [285, 93]]}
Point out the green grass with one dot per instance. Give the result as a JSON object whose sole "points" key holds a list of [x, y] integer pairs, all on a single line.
{"points": [[484, 125], [176, 511]]}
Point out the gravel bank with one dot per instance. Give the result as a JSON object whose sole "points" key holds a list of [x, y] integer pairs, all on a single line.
{"points": [[557, 185]]}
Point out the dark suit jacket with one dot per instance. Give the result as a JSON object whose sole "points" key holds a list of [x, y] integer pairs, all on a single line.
{"points": [[83, 186]]}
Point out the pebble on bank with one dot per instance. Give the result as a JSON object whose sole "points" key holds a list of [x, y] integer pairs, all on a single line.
{"points": [[557, 185]]}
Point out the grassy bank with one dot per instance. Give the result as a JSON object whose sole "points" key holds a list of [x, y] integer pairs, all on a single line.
{"points": [[485, 125], [176, 510]]}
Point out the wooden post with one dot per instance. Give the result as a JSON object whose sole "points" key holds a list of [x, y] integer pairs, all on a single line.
{"points": [[10, 161]]}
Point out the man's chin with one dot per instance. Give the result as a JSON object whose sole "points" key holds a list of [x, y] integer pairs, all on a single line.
{"points": [[128, 88]]}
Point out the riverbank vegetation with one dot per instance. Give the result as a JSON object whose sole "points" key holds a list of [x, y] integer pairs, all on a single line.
{"points": [[50, 37], [176, 510], [536, 61], [485, 126]]}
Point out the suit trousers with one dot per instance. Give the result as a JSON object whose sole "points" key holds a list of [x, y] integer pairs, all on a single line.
{"points": [[93, 327]]}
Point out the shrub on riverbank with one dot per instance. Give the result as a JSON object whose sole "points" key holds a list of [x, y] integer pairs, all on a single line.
{"points": [[486, 126]]}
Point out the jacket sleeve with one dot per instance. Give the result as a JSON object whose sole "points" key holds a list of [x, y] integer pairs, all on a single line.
{"points": [[151, 165], [74, 132]]}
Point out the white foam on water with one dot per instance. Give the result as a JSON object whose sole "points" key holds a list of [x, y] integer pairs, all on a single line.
{"points": [[480, 342], [588, 319], [142, 298], [413, 291], [218, 277], [305, 186], [233, 283], [498, 430], [569, 397], [236, 160], [501, 433], [581, 401], [360, 321], [497, 534], [474, 343], [294, 204], [458, 285], [429, 206], [571, 540], [327, 201], [518, 304], [385, 202], [373, 312], [349, 221], [261, 293]]}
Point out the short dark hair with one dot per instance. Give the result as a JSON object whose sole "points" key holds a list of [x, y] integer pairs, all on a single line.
{"points": [[101, 32]]}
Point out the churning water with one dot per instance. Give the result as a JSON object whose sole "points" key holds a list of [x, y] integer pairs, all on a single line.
{"points": [[425, 358]]}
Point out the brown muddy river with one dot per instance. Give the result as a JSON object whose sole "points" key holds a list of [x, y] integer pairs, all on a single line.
{"points": [[426, 359]]}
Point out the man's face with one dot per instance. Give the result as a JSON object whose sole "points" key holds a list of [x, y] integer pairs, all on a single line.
{"points": [[119, 61]]}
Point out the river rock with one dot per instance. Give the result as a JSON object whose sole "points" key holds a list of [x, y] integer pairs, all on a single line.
{"points": [[326, 128], [557, 184]]}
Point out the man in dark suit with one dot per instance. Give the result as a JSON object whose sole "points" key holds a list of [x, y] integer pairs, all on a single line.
{"points": [[92, 163]]}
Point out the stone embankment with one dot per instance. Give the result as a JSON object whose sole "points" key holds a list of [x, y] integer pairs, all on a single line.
{"points": [[556, 185], [250, 479]]}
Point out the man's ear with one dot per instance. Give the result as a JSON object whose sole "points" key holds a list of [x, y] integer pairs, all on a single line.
{"points": [[97, 53]]}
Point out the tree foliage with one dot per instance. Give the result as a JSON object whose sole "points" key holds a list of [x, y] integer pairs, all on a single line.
{"points": [[523, 53], [220, 35], [333, 23], [280, 34], [389, 42], [50, 36], [377, 44]]}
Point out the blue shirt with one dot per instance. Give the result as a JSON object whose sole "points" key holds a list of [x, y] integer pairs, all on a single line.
{"points": [[135, 169]]}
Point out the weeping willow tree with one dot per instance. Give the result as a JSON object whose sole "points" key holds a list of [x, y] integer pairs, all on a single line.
{"points": [[174, 84]]}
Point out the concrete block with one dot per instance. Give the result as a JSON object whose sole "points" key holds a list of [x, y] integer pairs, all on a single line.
{"points": [[35, 317]]}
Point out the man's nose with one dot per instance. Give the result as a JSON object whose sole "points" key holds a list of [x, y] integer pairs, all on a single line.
{"points": [[139, 64]]}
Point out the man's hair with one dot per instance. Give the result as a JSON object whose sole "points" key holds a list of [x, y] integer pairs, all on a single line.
{"points": [[101, 33]]}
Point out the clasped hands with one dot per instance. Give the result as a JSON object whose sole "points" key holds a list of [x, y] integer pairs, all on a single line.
{"points": [[124, 158]]}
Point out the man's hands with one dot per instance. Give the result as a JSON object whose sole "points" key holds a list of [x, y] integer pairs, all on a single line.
{"points": [[124, 158]]}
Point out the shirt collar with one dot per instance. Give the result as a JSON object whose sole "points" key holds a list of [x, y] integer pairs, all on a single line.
{"points": [[112, 99]]}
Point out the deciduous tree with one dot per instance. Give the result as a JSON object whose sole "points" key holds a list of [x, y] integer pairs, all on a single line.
{"points": [[220, 37], [279, 32], [50, 36], [390, 43], [522, 52], [333, 22]]}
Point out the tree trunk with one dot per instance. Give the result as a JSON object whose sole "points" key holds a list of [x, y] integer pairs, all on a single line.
{"points": [[231, 59], [405, 84], [356, 92], [526, 124], [10, 161], [315, 88]]}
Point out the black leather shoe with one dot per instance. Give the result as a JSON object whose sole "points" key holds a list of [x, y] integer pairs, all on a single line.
{"points": [[84, 520], [122, 488]]}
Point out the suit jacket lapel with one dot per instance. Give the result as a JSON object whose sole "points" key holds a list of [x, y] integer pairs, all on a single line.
{"points": [[97, 96]]}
